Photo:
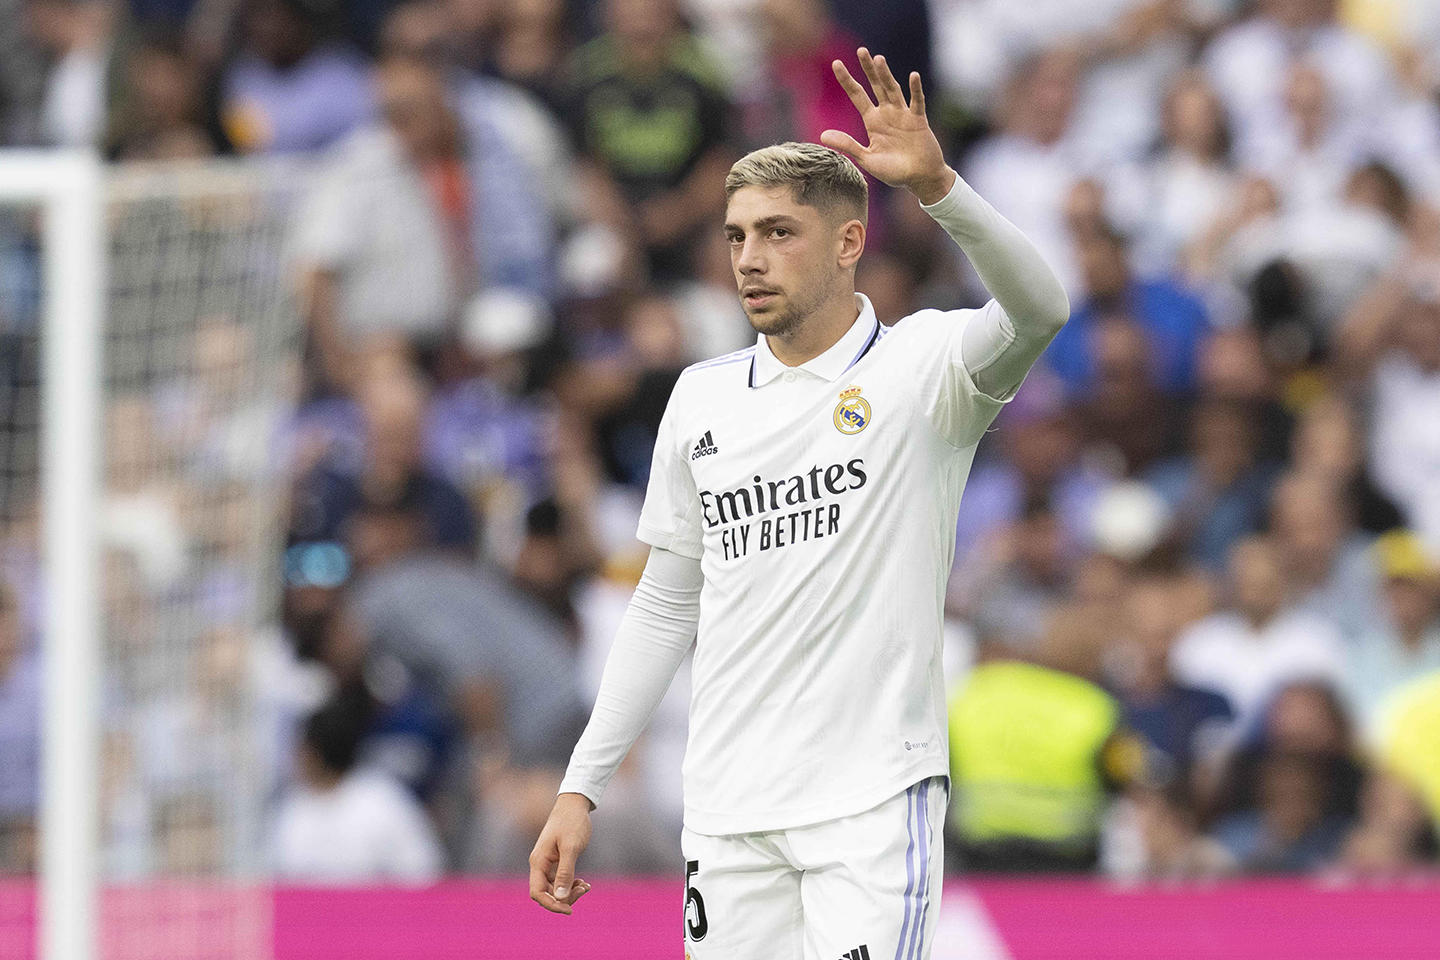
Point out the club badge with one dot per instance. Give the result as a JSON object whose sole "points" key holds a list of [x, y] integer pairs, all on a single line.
{"points": [[852, 413]]}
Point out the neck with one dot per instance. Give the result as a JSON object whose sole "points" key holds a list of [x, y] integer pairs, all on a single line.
{"points": [[1259, 617], [816, 333]]}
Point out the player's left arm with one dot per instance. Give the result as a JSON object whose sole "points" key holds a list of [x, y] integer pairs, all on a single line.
{"points": [[1000, 346]]}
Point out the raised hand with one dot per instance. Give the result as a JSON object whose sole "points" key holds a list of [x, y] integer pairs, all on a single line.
{"points": [[903, 150]]}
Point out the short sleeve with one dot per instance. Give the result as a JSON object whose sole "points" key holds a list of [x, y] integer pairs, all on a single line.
{"points": [[329, 228], [959, 410], [670, 518]]}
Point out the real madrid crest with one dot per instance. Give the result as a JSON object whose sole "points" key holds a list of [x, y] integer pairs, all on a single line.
{"points": [[852, 413]]}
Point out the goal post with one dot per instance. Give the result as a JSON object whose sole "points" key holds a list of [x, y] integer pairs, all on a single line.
{"points": [[66, 189], [145, 391]]}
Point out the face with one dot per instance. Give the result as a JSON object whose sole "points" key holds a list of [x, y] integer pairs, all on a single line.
{"points": [[1103, 264], [1257, 577], [1149, 612], [788, 258], [1410, 602], [1193, 121], [413, 101], [1303, 719], [1309, 517]]}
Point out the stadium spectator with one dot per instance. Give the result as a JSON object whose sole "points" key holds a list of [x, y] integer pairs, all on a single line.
{"points": [[77, 38], [345, 824], [1182, 725], [1329, 564], [412, 217], [1169, 844], [528, 48], [392, 472], [1406, 737], [1126, 422], [1187, 184], [1394, 837], [1403, 643], [160, 115], [1027, 167], [487, 431], [1328, 442], [623, 393], [800, 98], [1217, 491], [1261, 640], [498, 658], [420, 30], [1391, 338], [1039, 459], [1306, 719], [1016, 579], [1310, 152], [1288, 831], [665, 156], [1173, 321], [1034, 751], [1249, 64], [1292, 790], [292, 86]]}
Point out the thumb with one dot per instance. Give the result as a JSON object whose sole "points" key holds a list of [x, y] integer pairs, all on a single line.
{"points": [[838, 140], [565, 873]]}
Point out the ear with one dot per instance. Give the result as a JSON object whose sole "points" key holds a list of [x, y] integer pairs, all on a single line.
{"points": [[850, 242]]}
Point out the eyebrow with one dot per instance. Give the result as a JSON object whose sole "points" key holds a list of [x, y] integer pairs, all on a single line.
{"points": [[764, 223]]}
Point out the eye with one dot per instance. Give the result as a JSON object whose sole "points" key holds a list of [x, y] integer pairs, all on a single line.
{"points": [[779, 233], [734, 238]]}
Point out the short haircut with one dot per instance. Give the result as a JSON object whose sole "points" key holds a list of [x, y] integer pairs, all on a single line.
{"points": [[820, 177]]}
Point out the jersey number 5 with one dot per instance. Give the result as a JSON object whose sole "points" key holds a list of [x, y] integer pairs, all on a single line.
{"points": [[697, 925]]}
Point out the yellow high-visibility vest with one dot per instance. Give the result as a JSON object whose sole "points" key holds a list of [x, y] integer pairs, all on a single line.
{"points": [[1027, 746]]}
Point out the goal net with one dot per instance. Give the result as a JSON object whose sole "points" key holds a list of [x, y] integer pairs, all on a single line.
{"points": [[153, 759]]}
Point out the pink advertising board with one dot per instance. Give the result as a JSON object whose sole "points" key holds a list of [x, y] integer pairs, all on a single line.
{"points": [[983, 919]]}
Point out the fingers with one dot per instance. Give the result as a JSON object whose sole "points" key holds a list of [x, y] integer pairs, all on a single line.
{"points": [[578, 890], [893, 92], [838, 140], [867, 63], [565, 873], [882, 82], [917, 95], [852, 87], [540, 886]]}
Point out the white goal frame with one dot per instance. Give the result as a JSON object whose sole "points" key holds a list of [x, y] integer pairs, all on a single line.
{"points": [[68, 189]]}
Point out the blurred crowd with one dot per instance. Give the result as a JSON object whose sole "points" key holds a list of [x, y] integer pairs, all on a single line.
{"points": [[1194, 618]]}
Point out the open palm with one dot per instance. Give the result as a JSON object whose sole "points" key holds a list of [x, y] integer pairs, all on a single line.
{"points": [[902, 151]]}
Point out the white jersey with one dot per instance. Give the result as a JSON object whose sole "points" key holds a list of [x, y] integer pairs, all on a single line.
{"points": [[821, 501]]}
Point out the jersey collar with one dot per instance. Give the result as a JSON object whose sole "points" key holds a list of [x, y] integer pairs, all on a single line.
{"points": [[847, 351]]}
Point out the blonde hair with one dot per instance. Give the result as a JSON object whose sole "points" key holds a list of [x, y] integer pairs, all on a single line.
{"points": [[820, 177]]}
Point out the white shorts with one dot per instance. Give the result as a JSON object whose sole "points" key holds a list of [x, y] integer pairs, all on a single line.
{"points": [[865, 887]]}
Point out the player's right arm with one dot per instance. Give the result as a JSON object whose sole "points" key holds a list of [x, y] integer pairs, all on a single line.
{"points": [[654, 636], [1000, 345]]}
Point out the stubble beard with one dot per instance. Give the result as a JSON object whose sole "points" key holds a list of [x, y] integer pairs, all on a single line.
{"points": [[790, 318]]}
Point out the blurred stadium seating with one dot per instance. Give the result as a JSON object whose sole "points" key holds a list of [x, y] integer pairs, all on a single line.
{"points": [[376, 434]]}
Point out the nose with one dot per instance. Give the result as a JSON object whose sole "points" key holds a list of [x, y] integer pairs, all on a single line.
{"points": [[749, 258]]}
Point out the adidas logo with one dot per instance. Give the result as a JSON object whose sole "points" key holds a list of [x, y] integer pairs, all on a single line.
{"points": [[705, 447], [861, 952]]}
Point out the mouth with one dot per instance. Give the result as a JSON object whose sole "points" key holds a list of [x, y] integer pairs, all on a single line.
{"points": [[758, 298]]}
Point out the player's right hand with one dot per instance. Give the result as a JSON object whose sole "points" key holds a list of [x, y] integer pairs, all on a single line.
{"points": [[553, 884]]}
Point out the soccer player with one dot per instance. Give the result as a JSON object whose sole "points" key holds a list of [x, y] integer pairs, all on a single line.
{"points": [[801, 514]]}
